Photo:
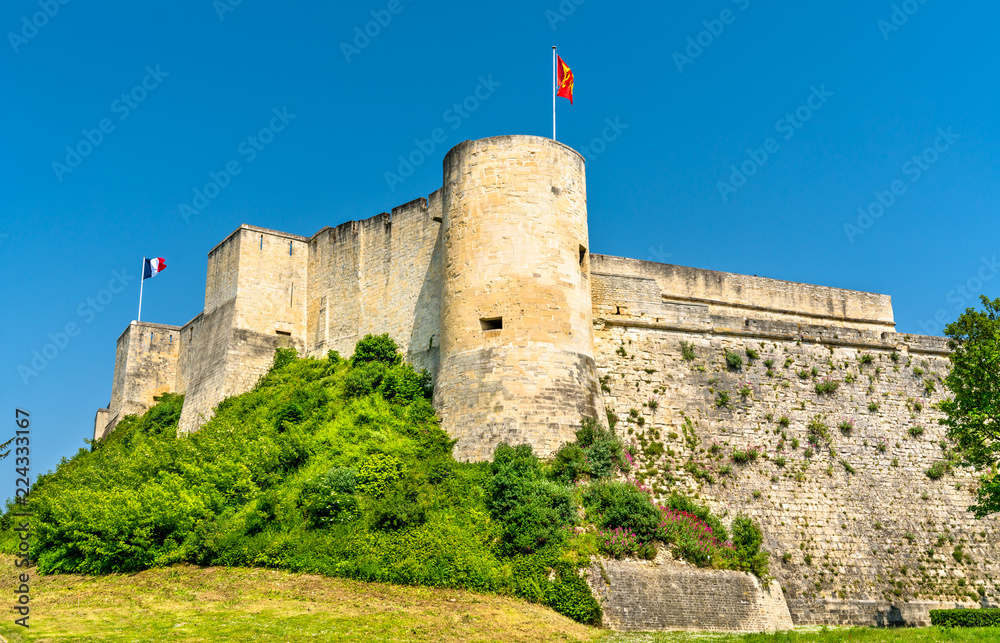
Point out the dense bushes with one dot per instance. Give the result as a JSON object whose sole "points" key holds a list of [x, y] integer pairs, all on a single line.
{"points": [[533, 510], [631, 524], [966, 618], [340, 467]]}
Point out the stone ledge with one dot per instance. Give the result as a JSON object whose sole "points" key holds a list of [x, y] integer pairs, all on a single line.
{"points": [[640, 595]]}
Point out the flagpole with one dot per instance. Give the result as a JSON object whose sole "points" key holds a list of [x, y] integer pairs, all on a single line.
{"points": [[142, 278], [554, 90]]}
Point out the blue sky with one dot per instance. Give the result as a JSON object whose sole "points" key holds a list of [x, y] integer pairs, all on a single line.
{"points": [[741, 136]]}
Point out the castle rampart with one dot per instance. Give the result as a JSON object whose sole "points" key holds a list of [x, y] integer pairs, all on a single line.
{"points": [[858, 532]]}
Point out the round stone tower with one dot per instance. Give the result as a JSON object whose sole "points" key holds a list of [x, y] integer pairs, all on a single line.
{"points": [[517, 356]]}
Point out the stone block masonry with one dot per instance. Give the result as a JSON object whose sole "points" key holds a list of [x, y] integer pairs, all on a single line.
{"points": [[490, 285], [666, 595], [859, 532]]}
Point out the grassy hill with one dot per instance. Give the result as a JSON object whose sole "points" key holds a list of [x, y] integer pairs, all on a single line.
{"points": [[339, 467], [188, 603], [185, 603]]}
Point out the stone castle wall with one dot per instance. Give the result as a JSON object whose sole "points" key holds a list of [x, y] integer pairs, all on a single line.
{"points": [[380, 275], [858, 533], [666, 595]]}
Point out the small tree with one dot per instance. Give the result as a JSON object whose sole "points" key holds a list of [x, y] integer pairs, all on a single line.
{"points": [[973, 413]]}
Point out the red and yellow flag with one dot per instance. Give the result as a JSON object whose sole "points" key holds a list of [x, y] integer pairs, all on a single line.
{"points": [[564, 80]]}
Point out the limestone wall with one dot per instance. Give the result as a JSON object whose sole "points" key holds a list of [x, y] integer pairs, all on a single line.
{"points": [[516, 330], [379, 275], [643, 596], [728, 294], [858, 533], [145, 368]]}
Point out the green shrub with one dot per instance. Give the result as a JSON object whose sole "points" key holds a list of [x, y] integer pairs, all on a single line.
{"points": [[376, 348], [571, 596], [533, 511], [400, 509], [966, 617], [365, 379], [597, 453], [619, 504], [329, 499], [747, 541], [915, 431], [282, 358], [818, 431], [687, 351], [377, 472], [734, 361]]}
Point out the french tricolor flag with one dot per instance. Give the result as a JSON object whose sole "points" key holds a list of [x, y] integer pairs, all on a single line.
{"points": [[153, 267]]}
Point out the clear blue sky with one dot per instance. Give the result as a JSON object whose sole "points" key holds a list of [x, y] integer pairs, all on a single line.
{"points": [[863, 98]]}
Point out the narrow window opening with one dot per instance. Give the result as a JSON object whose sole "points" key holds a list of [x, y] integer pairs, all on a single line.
{"points": [[170, 339], [261, 242], [493, 323], [583, 254], [150, 337], [289, 248]]}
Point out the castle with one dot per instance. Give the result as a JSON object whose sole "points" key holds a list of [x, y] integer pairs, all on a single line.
{"points": [[490, 285]]}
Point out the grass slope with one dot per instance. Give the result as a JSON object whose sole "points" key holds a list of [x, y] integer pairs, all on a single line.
{"points": [[187, 603], [184, 603]]}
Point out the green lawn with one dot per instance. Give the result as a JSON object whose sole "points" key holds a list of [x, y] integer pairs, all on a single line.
{"points": [[186, 603]]}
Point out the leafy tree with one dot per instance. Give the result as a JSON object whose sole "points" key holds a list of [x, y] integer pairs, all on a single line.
{"points": [[973, 413]]}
